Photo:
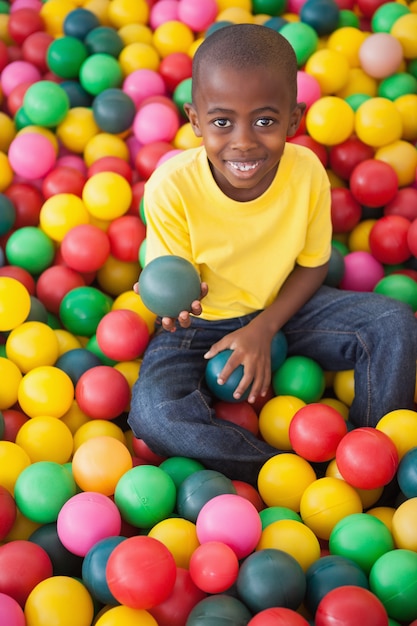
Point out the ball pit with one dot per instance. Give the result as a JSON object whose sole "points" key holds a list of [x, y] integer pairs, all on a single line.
{"points": [[91, 102]]}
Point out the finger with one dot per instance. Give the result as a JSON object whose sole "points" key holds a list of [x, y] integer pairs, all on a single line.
{"points": [[168, 323], [184, 319]]}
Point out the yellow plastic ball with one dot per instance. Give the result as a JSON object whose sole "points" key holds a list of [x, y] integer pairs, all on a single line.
{"points": [[330, 120], [236, 15], [186, 138], [66, 341], [6, 172], [401, 427], [10, 376], [283, 479], [77, 128], [14, 303], [378, 122], [13, 460], [359, 236], [407, 107], [4, 29], [358, 82], [404, 29], [46, 438], [97, 428], [344, 386], [116, 276], [330, 68], [402, 156], [122, 12], [294, 538], [105, 144], [125, 616], [60, 213], [99, 463], [135, 33], [100, 10], [130, 370], [179, 536], [347, 40], [172, 36], [275, 418], [139, 56], [22, 528], [7, 131], [74, 418], [241, 4], [59, 600], [107, 195], [53, 14], [404, 528], [327, 501], [132, 301], [338, 405], [368, 496], [32, 344], [46, 390], [383, 513]]}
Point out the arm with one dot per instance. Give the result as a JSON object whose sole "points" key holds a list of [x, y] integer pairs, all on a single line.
{"points": [[251, 345]]}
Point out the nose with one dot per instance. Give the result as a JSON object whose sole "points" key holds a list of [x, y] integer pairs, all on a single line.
{"points": [[243, 138]]}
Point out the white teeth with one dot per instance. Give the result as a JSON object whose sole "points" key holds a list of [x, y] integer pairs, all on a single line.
{"points": [[243, 167]]}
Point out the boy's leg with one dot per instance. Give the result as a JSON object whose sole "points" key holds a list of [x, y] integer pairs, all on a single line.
{"points": [[171, 407], [371, 334]]}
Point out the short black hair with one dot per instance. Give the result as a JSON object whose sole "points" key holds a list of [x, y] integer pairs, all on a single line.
{"points": [[246, 46]]}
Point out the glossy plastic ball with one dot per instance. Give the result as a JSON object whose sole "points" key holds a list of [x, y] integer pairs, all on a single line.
{"points": [[114, 110], [94, 569], [303, 38], [380, 55], [393, 579], [214, 567], [373, 183], [199, 488], [278, 616], [65, 56], [241, 413], [283, 479], [301, 377], [102, 392], [8, 512], [100, 71], [23, 566], [179, 536], [208, 610], [53, 600], [330, 120], [292, 537], [322, 15], [46, 438], [82, 308], [15, 303], [24, 152], [224, 391], [315, 432], [10, 611], [378, 122], [399, 287], [45, 390], [388, 240], [348, 604], [362, 271]]}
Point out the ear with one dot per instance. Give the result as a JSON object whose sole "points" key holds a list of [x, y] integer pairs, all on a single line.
{"points": [[295, 118], [191, 113]]}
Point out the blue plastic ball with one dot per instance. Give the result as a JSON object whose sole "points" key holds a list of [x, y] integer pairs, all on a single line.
{"points": [[322, 15], [407, 474], [225, 391], [94, 569]]}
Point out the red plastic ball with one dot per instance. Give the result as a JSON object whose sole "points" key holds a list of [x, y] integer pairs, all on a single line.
{"points": [[246, 490], [185, 595], [149, 155], [373, 183], [350, 606], [368, 7], [22, 23], [412, 238], [4, 55], [13, 421], [241, 413], [35, 48], [137, 195], [27, 201], [345, 156], [367, 458], [54, 283], [214, 567], [388, 239], [7, 512], [122, 335], [111, 164], [85, 248], [15, 98], [315, 432], [126, 235], [20, 274], [141, 572], [404, 204], [23, 564], [175, 68], [278, 616], [102, 392], [318, 148], [63, 179], [142, 451], [346, 211]]}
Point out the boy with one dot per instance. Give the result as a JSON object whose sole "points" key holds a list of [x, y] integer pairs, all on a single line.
{"points": [[252, 213]]}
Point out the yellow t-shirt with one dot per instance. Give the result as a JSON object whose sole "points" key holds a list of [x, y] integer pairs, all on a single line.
{"points": [[244, 251]]}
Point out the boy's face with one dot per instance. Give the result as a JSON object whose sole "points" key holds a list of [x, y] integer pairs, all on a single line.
{"points": [[244, 117]]}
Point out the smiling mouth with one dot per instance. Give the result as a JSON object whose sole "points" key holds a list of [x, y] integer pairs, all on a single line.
{"points": [[246, 166]]}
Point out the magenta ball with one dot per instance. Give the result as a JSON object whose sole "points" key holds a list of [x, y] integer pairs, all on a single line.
{"points": [[142, 84], [362, 271], [85, 519], [155, 122], [122, 335], [198, 16], [16, 73], [31, 155], [308, 88], [11, 613], [230, 519], [163, 11]]}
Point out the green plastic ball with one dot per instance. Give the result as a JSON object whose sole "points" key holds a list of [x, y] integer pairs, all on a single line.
{"points": [[399, 287], [386, 15], [65, 56], [104, 40], [393, 579], [168, 285], [397, 85], [182, 94], [219, 609], [82, 308], [99, 72], [277, 513], [113, 111], [30, 248], [198, 488], [46, 103], [269, 7], [301, 377], [303, 39], [180, 467]]}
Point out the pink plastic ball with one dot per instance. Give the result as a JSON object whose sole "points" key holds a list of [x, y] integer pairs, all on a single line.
{"points": [[74, 161], [362, 271], [308, 88], [25, 4], [155, 122], [163, 11], [31, 155], [16, 73], [85, 519], [11, 612], [142, 84], [295, 6], [198, 16], [380, 55], [230, 519]]}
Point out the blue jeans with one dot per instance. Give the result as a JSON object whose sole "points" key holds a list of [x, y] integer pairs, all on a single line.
{"points": [[171, 407]]}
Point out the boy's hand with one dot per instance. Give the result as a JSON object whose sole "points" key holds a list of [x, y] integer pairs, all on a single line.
{"points": [[184, 318], [252, 349]]}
